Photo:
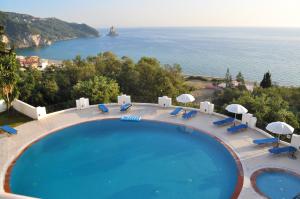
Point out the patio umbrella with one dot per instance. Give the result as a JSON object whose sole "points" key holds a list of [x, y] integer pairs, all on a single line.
{"points": [[185, 98], [236, 109], [280, 128]]}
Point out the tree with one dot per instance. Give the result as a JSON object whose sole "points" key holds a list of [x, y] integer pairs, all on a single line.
{"points": [[128, 78], [2, 44], [240, 79], [155, 81], [57, 88], [78, 70], [224, 97], [266, 81], [228, 79], [50, 89], [8, 78], [267, 105], [100, 89]]}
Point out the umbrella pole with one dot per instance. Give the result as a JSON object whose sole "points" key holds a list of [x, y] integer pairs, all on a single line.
{"points": [[278, 140], [234, 119]]}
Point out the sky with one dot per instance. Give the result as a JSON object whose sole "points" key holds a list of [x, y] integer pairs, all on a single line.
{"points": [[166, 13]]}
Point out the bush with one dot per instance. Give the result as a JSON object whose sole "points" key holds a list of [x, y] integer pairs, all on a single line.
{"points": [[268, 105]]}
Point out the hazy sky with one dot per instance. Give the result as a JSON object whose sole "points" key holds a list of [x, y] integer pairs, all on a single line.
{"points": [[138, 13]]}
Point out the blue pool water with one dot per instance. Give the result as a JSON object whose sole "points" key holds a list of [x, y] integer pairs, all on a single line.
{"points": [[117, 159], [200, 51], [278, 185]]}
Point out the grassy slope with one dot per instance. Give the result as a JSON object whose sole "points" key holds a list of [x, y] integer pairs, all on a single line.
{"points": [[13, 118]]}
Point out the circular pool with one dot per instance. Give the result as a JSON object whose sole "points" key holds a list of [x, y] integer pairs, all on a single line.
{"points": [[117, 159], [276, 183]]}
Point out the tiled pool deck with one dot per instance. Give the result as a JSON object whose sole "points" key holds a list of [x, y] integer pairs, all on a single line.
{"points": [[252, 157]]}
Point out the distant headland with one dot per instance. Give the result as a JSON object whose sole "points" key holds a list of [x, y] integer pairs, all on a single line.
{"points": [[23, 31]]}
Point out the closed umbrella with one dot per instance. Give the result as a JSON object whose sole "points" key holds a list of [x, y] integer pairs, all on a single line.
{"points": [[236, 109], [280, 128]]}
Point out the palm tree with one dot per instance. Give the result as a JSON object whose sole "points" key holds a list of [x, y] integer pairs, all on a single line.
{"points": [[8, 78]]}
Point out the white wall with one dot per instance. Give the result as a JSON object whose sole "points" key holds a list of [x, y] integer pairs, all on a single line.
{"points": [[124, 99], [30, 111], [2, 106]]}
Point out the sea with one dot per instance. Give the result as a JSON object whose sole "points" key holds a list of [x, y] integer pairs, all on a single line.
{"points": [[204, 51]]}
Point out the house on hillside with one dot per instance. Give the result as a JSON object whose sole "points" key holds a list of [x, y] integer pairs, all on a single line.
{"points": [[30, 61]]}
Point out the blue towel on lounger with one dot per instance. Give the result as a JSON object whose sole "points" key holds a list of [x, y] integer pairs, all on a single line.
{"points": [[8, 129], [286, 149], [125, 107], [237, 128], [103, 108], [266, 141], [224, 121], [176, 111], [189, 115]]}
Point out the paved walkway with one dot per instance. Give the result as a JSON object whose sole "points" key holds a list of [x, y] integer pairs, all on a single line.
{"points": [[252, 157]]}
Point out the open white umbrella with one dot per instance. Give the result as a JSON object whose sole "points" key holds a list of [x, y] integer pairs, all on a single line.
{"points": [[236, 109], [185, 98], [280, 128]]}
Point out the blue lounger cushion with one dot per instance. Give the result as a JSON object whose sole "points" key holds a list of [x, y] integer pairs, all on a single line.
{"points": [[286, 149], [8, 129], [103, 108], [176, 111], [266, 141], [125, 107], [237, 128], [224, 121], [189, 115], [131, 118]]}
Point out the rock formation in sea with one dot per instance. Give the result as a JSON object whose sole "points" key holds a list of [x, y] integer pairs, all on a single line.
{"points": [[112, 32]]}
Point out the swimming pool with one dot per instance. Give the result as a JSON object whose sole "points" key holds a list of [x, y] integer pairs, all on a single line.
{"points": [[117, 159], [276, 183]]}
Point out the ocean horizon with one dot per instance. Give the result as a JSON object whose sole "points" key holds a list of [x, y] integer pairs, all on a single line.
{"points": [[206, 51]]}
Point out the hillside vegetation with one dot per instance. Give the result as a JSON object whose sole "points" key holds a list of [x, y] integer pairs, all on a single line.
{"points": [[27, 31], [100, 78], [268, 102]]}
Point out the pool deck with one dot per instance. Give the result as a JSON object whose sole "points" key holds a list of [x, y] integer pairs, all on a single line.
{"points": [[252, 157]]}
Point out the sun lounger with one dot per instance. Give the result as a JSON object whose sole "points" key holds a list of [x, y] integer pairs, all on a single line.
{"points": [[103, 108], [8, 130], [131, 118], [287, 149], [223, 122], [125, 107], [189, 115], [176, 111], [235, 129], [266, 141]]}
